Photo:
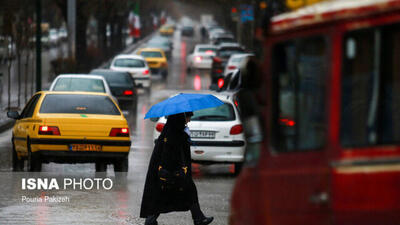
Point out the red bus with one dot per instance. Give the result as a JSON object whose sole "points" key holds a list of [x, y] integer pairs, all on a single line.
{"points": [[330, 148]]}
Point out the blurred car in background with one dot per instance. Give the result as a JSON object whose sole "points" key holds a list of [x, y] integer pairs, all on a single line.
{"points": [[167, 30], [216, 134], [223, 38], [122, 87], [161, 42], [156, 59], [54, 37], [234, 62], [187, 30], [63, 34], [224, 51], [136, 65], [70, 127], [201, 57]]}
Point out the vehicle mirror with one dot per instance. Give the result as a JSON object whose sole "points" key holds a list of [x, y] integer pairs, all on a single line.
{"points": [[154, 119], [13, 115]]}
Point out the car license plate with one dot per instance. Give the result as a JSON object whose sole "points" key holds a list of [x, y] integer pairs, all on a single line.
{"points": [[85, 147], [202, 134]]}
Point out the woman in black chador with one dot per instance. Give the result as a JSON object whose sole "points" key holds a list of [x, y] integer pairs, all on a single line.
{"points": [[169, 185]]}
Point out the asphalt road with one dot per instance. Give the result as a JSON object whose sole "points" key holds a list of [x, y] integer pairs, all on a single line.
{"points": [[120, 204]]}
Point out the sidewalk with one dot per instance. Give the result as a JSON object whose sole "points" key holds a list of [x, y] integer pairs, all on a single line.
{"points": [[6, 123]]}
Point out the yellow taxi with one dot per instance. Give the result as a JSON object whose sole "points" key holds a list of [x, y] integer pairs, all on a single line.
{"points": [[156, 59], [167, 30], [70, 127]]}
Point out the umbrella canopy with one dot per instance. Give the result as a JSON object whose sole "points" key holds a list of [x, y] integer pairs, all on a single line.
{"points": [[183, 103]]}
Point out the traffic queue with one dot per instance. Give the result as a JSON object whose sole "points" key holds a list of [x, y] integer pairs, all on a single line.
{"points": [[80, 118]]}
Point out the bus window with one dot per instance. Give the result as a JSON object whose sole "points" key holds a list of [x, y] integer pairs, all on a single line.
{"points": [[300, 69], [370, 112]]}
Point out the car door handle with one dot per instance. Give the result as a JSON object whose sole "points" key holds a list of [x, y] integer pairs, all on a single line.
{"points": [[319, 198]]}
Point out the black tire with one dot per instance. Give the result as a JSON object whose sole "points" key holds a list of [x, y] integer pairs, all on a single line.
{"points": [[34, 161], [101, 167], [121, 170], [17, 164], [238, 168], [121, 165]]}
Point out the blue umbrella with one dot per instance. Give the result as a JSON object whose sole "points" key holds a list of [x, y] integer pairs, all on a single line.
{"points": [[183, 103]]}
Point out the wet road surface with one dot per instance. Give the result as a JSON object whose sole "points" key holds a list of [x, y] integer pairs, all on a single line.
{"points": [[120, 204]]}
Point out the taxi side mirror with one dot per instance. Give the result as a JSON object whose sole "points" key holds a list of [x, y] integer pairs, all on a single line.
{"points": [[13, 115]]}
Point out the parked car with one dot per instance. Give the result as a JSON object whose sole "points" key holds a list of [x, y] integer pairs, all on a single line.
{"points": [[216, 134], [70, 127], [201, 57], [122, 87], [156, 59], [136, 65]]}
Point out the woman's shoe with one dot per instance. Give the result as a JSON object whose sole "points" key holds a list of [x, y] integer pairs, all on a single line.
{"points": [[151, 220], [204, 221]]}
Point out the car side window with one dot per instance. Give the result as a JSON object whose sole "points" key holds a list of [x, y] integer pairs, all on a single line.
{"points": [[30, 107]]}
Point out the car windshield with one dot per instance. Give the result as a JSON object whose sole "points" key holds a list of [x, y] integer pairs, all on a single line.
{"points": [[158, 44], [131, 63], [78, 104], [117, 78], [229, 51], [147, 54], [224, 112], [79, 84]]}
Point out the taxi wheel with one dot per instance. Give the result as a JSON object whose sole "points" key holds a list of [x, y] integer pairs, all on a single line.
{"points": [[17, 164], [122, 165], [101, 167], [34, 162], [238, 168]]}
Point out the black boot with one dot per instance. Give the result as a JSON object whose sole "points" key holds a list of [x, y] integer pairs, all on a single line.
{"points": [[151, 220], [204, 221], [198, 216]]}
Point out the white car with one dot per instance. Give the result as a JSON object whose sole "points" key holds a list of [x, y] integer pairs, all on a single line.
{"points": [[201, 57], [81, 82], [216, 134], [234, 62], [136, 65]]}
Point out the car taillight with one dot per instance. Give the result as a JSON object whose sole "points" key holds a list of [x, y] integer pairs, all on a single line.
{"points": [[221, 82], [49, 130], [160, 127], [217, 60], [287, 122], [198, 58], [236, 103], [231, 67], [218, 70], [119, 132], [128, 92], [146, 72], [237, 129]]}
